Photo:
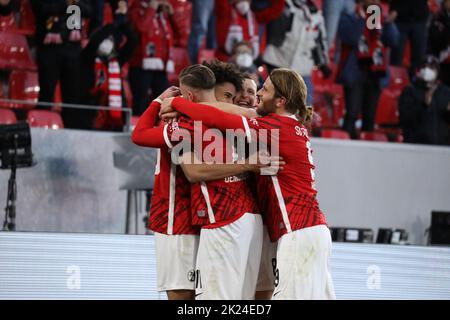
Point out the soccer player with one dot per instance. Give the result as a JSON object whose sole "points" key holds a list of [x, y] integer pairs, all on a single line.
{"points": [[169, 214], [293, 218], [225, 207], [228, 80], [246, 97]]}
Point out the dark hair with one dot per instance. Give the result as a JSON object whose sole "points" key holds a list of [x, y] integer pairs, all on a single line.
{"points": [[226, 72], [198, 76], [290, 85]]}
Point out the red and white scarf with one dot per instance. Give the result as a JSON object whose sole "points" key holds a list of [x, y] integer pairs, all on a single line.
{"points": [[108, 86]]}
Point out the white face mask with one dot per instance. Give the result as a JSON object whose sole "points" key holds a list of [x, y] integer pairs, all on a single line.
{"points": [[244, 60], [106, 47], [243, 7], [428, 74]]}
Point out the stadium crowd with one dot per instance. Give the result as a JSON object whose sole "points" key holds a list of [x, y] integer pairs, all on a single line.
{"points": [[386, 83]]}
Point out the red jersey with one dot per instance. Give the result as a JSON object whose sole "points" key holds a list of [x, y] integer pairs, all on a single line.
{"points": [[170, 207], [288, 199], [219, 202]]}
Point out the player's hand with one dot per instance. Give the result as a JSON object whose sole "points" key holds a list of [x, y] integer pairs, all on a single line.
{"points": [[268, 165], [167, 112], [170, 92]]}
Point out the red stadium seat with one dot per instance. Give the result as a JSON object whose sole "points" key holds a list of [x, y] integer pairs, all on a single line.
{"points": [[180, 58], [23, 85], [206, 55], [14, 52], [45, 119], [335, 134], [7, 116], [399, 78], [322, 84], [330, 105], [387, 111], [373, 136]]}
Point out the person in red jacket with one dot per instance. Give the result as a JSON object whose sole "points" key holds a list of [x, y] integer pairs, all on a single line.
{"points": [[237, 23], [150, 61]]}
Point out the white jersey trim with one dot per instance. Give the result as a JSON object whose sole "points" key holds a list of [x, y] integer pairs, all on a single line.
{"points": [[205, 193], [158, 162], [173, 173], [166, 136], [281, 203], [247, 130]]}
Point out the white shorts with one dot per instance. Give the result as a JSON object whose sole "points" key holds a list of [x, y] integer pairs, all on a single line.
{"points": [[175, 261], [266, 278], [303, 261], [228, 260]]}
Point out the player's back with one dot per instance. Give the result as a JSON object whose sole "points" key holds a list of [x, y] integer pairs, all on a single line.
{"points": [[218, 202], [290, 196], [170, 207]]}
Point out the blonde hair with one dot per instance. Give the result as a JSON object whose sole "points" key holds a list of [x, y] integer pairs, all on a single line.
{"points": [[290, 85]]}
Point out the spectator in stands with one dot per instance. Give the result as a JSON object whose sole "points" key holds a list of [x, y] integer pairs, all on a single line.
{"points": [[150, 62], [228, 80], [242, 56], [425, 107], [265, 11], [58, 53], [439, 40], [363, 63], [246, 97], [98, 8], [237, 23], [411, 17], [203, 24], [7, 12], [297, 40], [102, 61], [332, 11]]}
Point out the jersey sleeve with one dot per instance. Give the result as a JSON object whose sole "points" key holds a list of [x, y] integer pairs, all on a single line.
{"points": [[178, 131], [210, 116], [146, 133]]}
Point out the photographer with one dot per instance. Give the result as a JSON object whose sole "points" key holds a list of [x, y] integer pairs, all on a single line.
{"points": [[425, 107], [297, 40]]}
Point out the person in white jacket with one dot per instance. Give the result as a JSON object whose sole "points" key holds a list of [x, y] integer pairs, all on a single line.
{"points": [[297, 40]]}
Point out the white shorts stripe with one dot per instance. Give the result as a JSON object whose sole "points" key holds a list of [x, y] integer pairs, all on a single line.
{"points": [[281, 203], [204, 189], [173, 172]]}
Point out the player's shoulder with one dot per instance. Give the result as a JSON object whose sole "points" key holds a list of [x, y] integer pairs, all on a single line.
{"points": [[269, 121], [182, 123]]}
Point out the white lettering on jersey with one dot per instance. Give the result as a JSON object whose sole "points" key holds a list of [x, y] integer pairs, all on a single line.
{"points": [[302, 132]]}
